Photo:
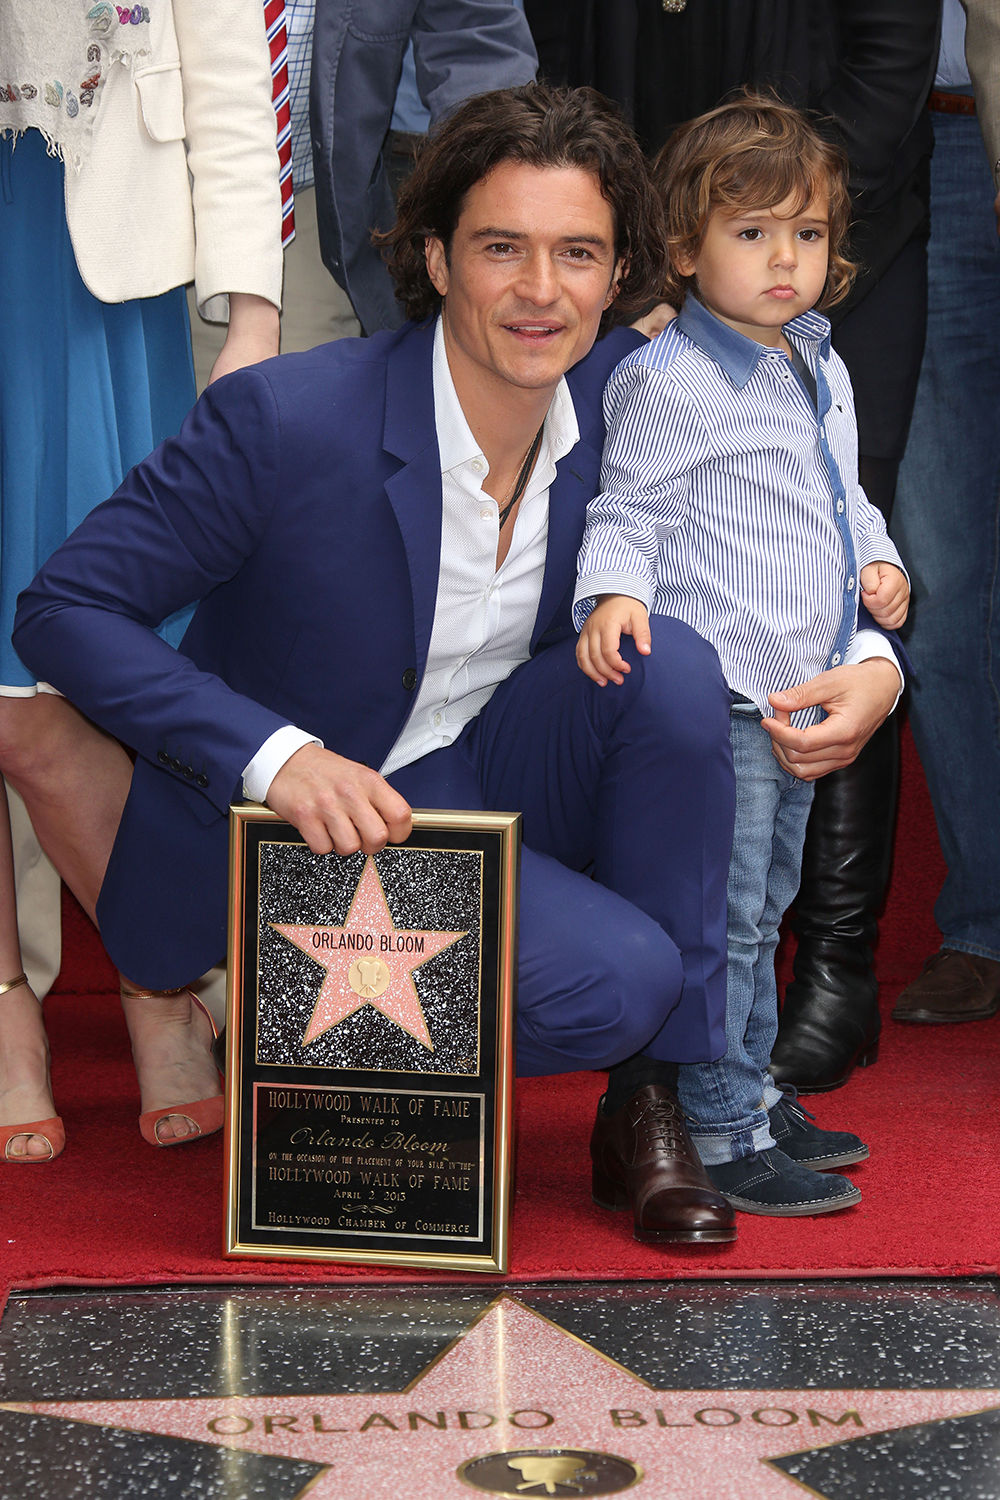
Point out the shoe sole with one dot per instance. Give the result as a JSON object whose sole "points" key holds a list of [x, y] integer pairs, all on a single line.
{"points": [[684, 1236], [672, 1236], [929, 1020], [825, 1163], [794, 1210]]}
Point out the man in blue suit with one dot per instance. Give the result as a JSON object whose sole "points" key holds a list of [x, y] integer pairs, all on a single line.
{"points": [[383, 535]]}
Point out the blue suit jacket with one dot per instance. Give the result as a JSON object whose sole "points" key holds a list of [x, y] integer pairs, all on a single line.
{"points": [[301, 503]]}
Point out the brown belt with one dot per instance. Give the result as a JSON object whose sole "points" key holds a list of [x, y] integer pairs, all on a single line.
{"points": [[952, 104]]}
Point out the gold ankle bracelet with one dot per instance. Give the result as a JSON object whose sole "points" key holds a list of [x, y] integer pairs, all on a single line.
{"points": [[149, 994]]}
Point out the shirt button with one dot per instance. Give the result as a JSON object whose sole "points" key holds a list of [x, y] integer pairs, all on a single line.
{"points": [[840, 507], [487, 515], [835, 658], [478, 465], [410, 679], [850, 584], [437, 719]]}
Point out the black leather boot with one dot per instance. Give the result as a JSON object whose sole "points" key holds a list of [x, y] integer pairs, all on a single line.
{"points": [[830, 1020]]}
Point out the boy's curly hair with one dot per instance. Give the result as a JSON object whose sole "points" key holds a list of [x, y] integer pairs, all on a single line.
{"points": [[754, 151], [541, 127]]}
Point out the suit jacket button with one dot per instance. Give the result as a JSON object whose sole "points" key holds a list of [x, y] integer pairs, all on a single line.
{"points": [[163, 757], [201, 780], [175, 764], [410, 679], [189, 772]]}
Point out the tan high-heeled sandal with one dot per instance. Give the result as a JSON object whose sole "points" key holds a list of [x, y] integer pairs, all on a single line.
{"points": [[51, 1131], [206, 1115]]}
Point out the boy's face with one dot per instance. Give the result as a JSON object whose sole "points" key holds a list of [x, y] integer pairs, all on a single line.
{"points": [[759, 269]]}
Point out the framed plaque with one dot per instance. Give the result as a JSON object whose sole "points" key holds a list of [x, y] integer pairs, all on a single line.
{"points": [[370, 1059]]}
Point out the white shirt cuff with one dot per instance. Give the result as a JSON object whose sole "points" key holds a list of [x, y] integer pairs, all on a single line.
{"points": [[865, 645], [276, 749]]}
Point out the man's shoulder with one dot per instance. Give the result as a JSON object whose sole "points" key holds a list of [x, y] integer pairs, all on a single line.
{"points": [[587, 379], [338, 393], [340, 361]]}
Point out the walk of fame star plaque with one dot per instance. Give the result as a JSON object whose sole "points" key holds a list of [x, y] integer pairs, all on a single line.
{"points": [[370, 1061]]}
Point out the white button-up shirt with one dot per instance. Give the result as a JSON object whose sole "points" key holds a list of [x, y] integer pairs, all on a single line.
{"points": [[484, 615]]}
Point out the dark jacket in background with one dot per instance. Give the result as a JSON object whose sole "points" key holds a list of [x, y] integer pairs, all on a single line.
{"points": [[869, 64], [461, 47]]}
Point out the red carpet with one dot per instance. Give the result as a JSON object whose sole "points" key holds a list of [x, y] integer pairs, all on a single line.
{"points": [[114, 1210]]}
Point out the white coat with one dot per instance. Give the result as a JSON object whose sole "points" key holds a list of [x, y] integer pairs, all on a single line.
{"points": [[181, 180]]}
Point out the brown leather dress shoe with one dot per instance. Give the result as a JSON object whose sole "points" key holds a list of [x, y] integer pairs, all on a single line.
{"points": [[644, 1159], [952, 986]]}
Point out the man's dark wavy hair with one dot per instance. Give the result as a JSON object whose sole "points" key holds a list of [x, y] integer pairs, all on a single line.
{"points": [[541, 127]]}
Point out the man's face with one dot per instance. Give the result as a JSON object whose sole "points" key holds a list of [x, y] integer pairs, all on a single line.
{"points": [[531, 269]]}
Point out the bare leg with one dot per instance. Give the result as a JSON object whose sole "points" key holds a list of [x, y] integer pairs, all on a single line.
{"points": [[171, 1045], [25, 1093], [74, 779]]}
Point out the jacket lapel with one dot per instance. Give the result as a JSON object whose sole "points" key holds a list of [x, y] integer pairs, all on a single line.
{"points": [[415, 490]]}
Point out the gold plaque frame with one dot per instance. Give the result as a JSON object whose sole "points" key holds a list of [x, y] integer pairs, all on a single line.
{"points": [[276, 1079]]}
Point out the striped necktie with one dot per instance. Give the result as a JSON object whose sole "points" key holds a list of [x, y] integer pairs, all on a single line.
{"points": [[274, 20]]}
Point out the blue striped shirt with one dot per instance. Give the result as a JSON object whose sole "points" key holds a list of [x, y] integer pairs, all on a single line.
{"points": [[299, 18], [730, 501]]}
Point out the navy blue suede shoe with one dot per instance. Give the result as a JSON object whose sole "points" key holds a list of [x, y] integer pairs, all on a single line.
{"points": [[804, 1142], [769, 1182]]}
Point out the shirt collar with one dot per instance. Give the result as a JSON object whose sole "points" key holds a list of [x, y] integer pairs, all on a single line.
{"points": [[456, 443], [738, 355]]}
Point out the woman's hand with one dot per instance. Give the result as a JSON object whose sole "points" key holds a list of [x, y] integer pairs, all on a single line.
{"points": [[254, 332]]}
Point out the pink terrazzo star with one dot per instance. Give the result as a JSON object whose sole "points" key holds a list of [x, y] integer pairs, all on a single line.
{"points": [[368, 961], [514, 1380]]}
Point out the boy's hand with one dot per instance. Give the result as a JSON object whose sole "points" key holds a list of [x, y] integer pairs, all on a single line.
{"points": [[885, 593], [597, 651]]}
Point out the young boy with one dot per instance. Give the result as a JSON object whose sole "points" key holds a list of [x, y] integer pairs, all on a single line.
{"points": [[730, 500]]}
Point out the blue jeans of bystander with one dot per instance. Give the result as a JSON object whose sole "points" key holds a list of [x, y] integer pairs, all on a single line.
{"points": [[946, 524], [726, 1102]]}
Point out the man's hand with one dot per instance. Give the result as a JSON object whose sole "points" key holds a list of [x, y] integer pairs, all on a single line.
{"points": [[597, 651], [254, 334], [857, 700], [885, 593], [655, 320], [338, 804]]}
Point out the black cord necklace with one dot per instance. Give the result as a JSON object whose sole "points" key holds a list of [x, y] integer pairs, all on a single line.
{"points": [[522, 478]]}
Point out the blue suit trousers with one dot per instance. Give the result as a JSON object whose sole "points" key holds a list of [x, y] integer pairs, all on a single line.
{"points": [[627, 799]]}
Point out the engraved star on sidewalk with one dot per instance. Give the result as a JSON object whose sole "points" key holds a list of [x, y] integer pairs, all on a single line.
{"points": [[368, 961], [515, 1381]]}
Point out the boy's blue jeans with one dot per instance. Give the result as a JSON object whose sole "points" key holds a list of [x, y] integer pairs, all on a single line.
{"points": [[726, 1102]]}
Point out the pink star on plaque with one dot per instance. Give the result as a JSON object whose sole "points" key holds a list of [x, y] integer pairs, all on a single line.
{"points": [[368, 961]]}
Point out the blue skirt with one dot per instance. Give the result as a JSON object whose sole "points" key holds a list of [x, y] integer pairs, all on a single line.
{"points": [[87, 388]]}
